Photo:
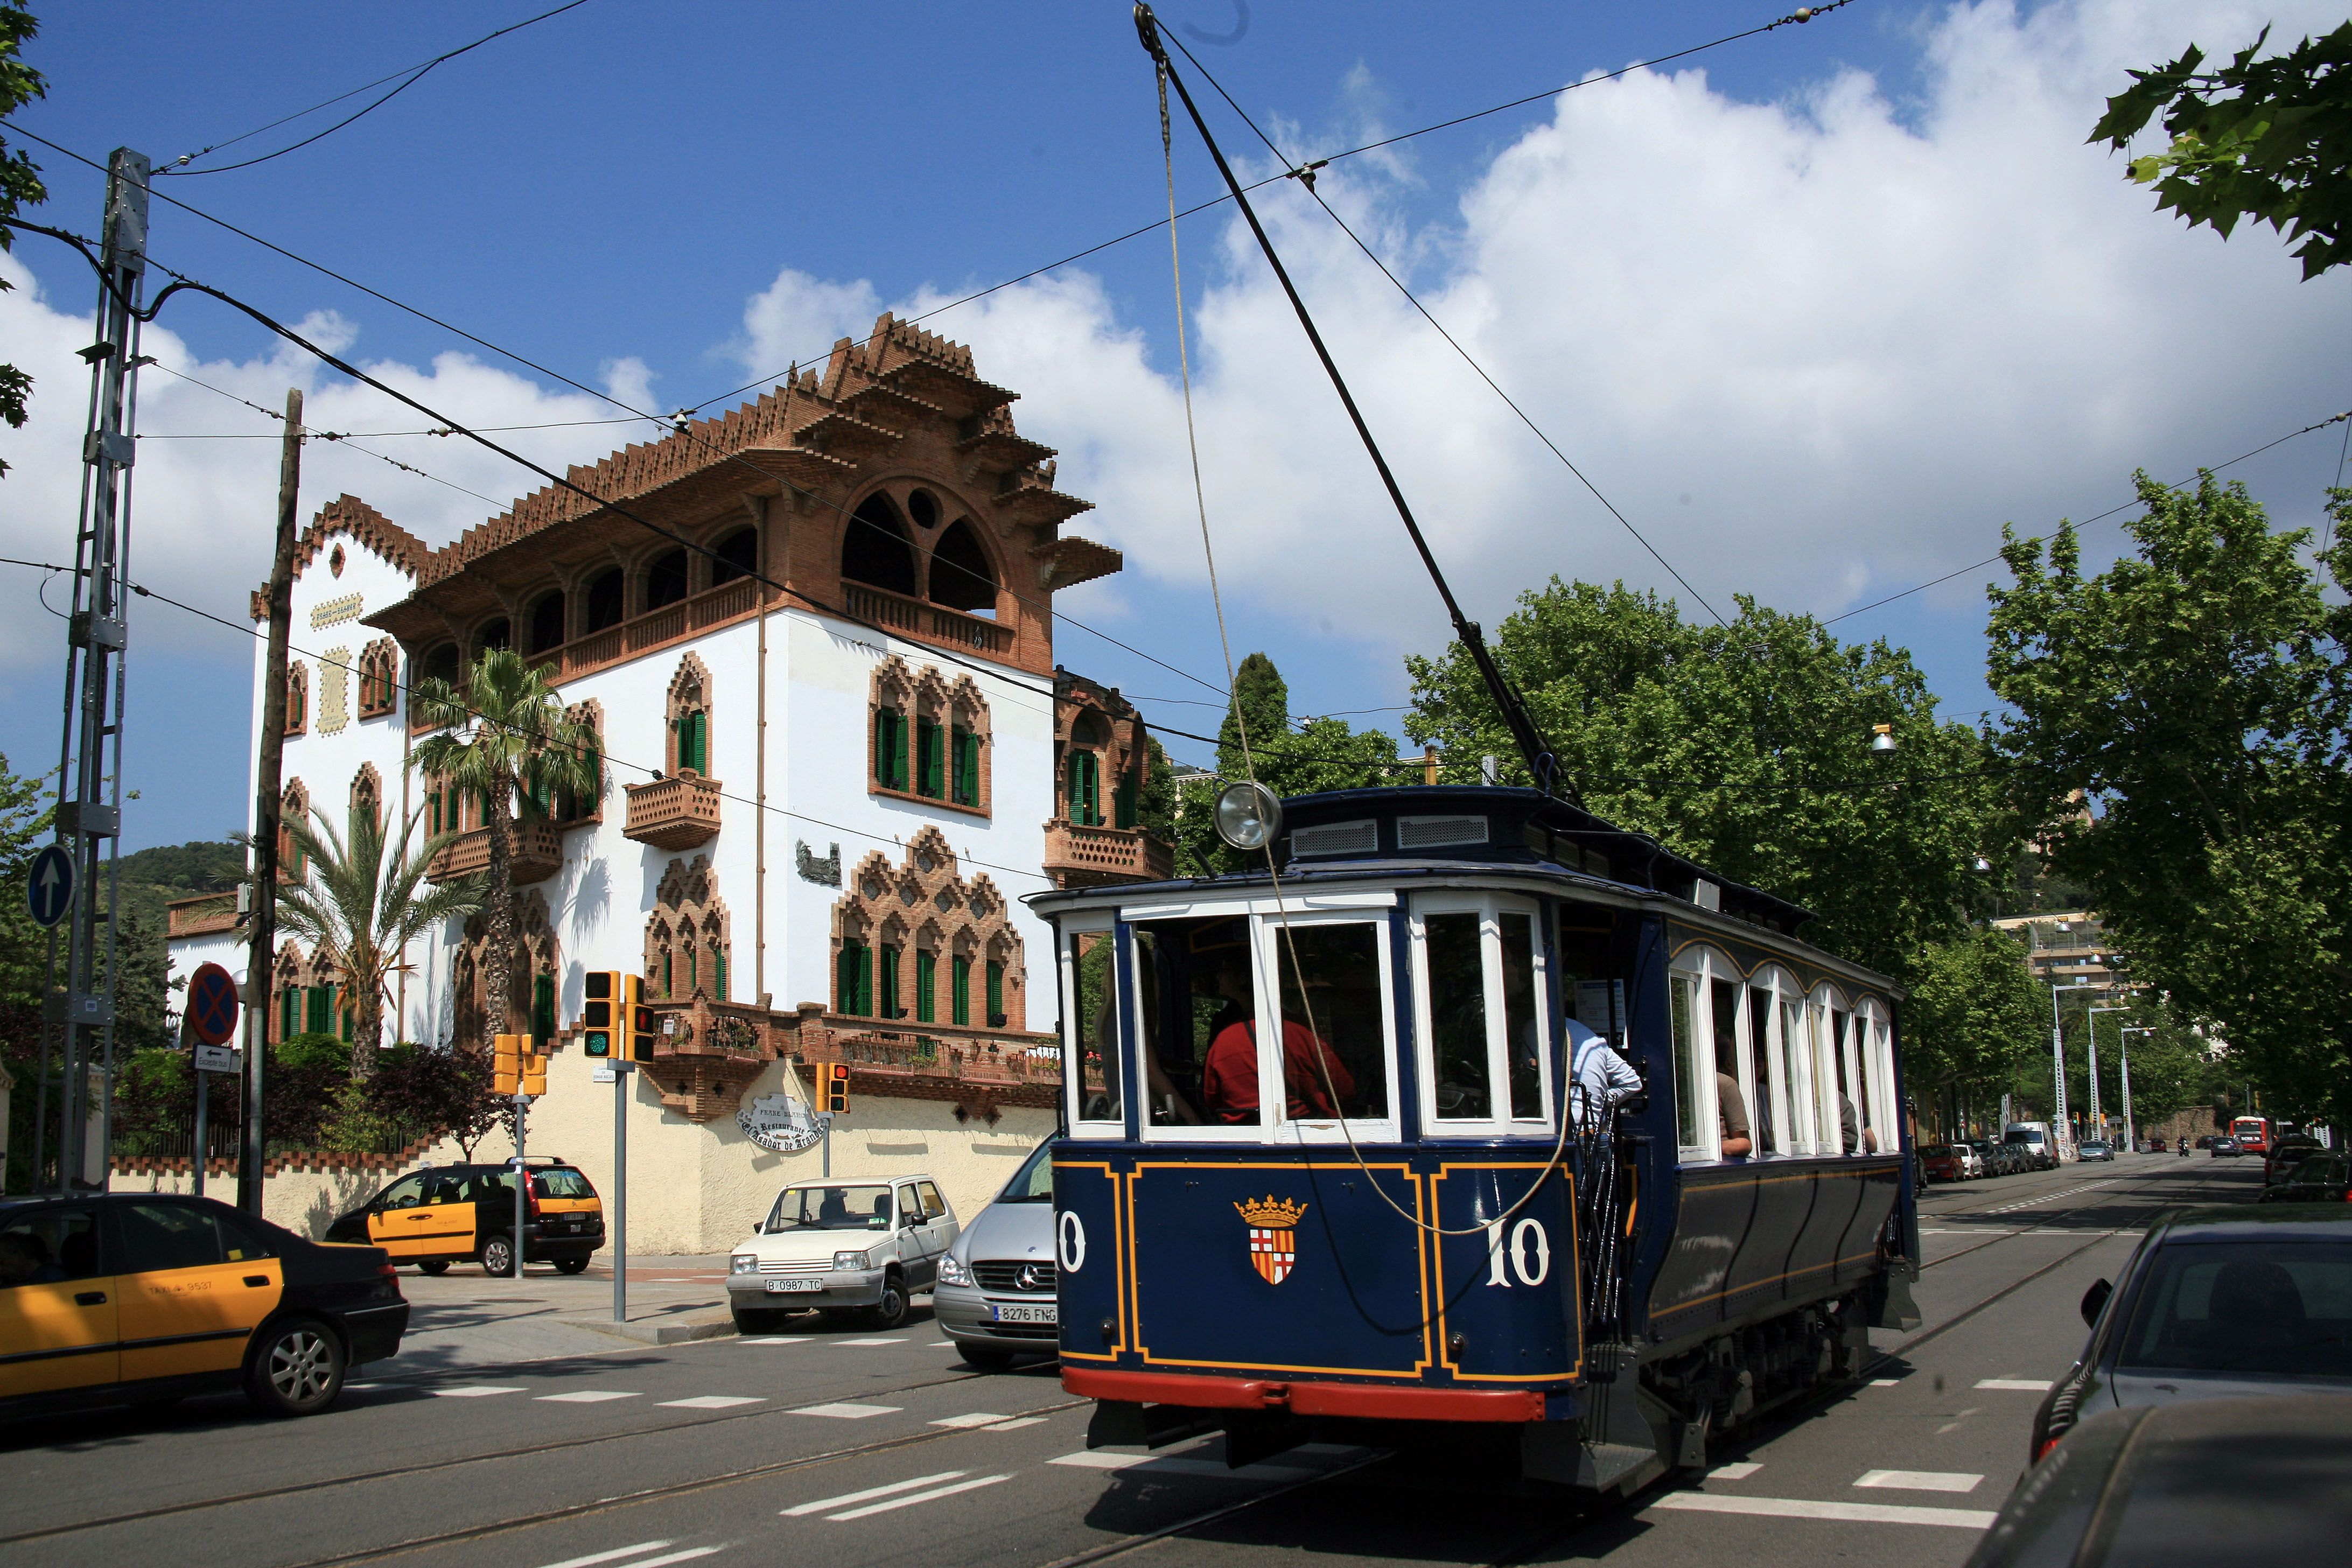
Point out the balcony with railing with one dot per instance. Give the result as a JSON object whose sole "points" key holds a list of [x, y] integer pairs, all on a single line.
{"points": [[1078, 855], [926, 623], [537, 854], [680, 812]]}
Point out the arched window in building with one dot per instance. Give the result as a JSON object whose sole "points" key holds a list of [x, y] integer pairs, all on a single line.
{"points": [[379, 677], [292, 864], [441, 664], [924, 508], [737, 555], [575, 806], [298, 697], [531, 974], [928, 736], [874, 547], [367, 795], [493, 634], [1082, 769], [689, 718], [607, 600], [665, 579], [547, 622], [961, 578], [688, 943], [917, 940]]}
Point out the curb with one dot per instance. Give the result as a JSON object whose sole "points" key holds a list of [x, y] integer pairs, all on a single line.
{"points": [[656, 1331]]}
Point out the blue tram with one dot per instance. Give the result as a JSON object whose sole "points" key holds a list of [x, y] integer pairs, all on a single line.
{"points": [[1327, 1157]]}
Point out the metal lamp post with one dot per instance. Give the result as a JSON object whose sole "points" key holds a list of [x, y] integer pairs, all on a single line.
{"points": [[2091, 1047], [2062, 1129], [2131, 1135]]}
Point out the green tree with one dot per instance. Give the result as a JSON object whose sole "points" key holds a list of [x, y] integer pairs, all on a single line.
{"points": [[1745, 747], [25, 816], [2269, 140], [359, 903], [20, 177], [505, 740], [2197, 693], [1973, 1019]]}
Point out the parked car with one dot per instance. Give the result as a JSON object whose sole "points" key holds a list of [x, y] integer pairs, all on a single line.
{"points": [[2286, 1154], [845, 1246], [2324, 1178], [1996, 1158], [2041, 1150], [145, 1298], [2216, 1302], [2220, 1480], [995, 1297], [2225, 1148], [2096, 1150], [466, 1214], [1948, 1162]]}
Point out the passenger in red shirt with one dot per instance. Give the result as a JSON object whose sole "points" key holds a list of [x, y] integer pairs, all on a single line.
{"points": [[1228, 1073]]}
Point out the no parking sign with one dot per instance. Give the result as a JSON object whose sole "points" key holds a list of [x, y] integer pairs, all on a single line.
{"points": [[212, 1017]]}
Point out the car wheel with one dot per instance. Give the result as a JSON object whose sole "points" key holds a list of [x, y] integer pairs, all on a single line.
{"points": [[984, 1361], [891, 1310], [498, 1257], [298, 1369], [437, 1268], [757, 1320], [570, 1265]]}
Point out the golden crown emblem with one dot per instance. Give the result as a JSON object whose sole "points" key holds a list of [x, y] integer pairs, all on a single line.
{"points": [[1273, 1213]]}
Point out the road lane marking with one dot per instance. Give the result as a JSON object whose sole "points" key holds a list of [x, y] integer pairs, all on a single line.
{"points": [[472, 1391], [900, 1341], [586, 1396], [712, 1402], [1738, 1471], [1954, 1425], [688, 1555], [620, 1552], [847, 1412], [977, 1418], [1885, 1382], [873, 1508], [1921, 1481], [773, 1340], [1015, 1424], [848, 1500], [2018, 1385], [1851, 1512], [1095, 1459], [940, 1345]]}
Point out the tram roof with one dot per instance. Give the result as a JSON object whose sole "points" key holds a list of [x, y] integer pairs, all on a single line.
{"points": [[1437, 828]]}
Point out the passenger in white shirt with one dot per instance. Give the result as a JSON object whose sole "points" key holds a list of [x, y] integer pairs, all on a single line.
{"points": [[1603, 1079]]}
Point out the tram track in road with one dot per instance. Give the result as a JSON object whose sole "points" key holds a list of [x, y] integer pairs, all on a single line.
{"points": [[518, 1451], [2042, 1224]]}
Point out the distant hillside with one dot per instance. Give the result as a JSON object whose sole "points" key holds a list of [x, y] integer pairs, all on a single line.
{"points": [[154, 878]]}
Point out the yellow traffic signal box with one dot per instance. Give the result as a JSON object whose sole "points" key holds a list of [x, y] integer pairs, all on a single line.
{"points": [[534, 1073], [642, 1028], [601, 1016], [506, 1064], [832, 1084]]}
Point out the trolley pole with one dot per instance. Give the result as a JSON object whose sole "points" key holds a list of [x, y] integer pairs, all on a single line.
{"points": [[522, 1179], [620, 1071]]}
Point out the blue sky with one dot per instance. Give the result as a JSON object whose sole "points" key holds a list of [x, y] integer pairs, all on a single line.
{"points": [[1819, 310]]}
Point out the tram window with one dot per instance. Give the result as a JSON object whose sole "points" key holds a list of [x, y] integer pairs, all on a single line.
{"points": [[1770, 1137], [1797, 1059], [1521, 1038], [1457, 1009], [1690, 1132], [1196, 986], [1094, 1037], [1841, 1037], [1724, 1016], [1335, 1034]]}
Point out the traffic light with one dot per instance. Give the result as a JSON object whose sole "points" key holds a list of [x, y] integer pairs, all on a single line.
{"points": [[641, 1035], [506, 1064], [598, 1020], [534, 1073], [833, 1087]]}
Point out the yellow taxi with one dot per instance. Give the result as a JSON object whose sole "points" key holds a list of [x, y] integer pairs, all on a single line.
{"points": [[466, 1214], [114, 1297]]}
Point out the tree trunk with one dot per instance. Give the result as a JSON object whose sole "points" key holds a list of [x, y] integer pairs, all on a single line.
{"points": [[367, 1026], [497, 1009]]}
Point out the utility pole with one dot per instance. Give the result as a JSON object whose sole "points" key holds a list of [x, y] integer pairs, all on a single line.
{"points": [[2131, 1135], [2091, 1044], [2061, 1131], [260, 955], [78, 1002]]}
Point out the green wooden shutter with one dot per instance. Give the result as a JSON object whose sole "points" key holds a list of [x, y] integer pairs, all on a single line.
{"points": [[926, 979], [1123, 801], [931, 765], [845, 979], [959, 991], [889, 984], [289, 1012], [995, 993], [317, 1003], [542, 1009], [697, 732], [966, 774], [898, 750], [669, 962], [865, 981], [719, 975]]}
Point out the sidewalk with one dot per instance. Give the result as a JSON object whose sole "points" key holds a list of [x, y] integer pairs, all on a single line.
{"points": [[465, 1319]]}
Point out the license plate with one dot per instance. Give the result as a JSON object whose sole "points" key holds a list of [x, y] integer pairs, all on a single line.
{"points": [[779, 1287], [1043, 1313]]}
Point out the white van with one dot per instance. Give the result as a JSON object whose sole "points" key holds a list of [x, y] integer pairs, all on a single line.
{"points": [[2035, 1136]]}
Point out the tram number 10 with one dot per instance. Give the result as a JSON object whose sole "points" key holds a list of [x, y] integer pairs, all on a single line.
{"points": [[1526, 1252]]}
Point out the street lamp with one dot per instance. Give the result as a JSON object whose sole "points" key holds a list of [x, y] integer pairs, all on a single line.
{"points": [[2091, 1045], [2130, 1136], [2060, 1130]]}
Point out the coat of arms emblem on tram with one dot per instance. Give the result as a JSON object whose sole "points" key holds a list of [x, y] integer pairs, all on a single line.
{"points": [[1273, 1236]]}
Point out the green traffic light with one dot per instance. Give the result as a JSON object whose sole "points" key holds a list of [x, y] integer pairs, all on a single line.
{"points": [[598, 1043]]}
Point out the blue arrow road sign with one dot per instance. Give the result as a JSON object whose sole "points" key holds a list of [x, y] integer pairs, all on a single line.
{"points": [[49, 889]]}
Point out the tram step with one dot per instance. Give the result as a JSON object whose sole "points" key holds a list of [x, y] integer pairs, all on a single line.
{"points": [[1124, 1424]]}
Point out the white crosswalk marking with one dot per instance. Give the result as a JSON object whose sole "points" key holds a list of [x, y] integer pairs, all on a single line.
{"points": [[900, 1340], [2017, 1385], [1885, 1382], [977, 1418], [873, 1508], [1851, 1512], [847, 1412], [1157, 1465], [586, 1396], [1921, 1481], [848, 1500], [1740, 1470], [618, 1552], [942, 1345], [1015, 1424], [472, 1391], [712, 1402], [773, 1340]]}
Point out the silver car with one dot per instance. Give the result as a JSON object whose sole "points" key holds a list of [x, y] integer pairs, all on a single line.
{"points": [[995, 1294]]}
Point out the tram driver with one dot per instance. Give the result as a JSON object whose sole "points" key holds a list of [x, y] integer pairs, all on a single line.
{"points": [[1312, 1073]]}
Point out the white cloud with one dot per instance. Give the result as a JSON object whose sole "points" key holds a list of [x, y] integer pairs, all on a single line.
{"points": [[798, 313]]}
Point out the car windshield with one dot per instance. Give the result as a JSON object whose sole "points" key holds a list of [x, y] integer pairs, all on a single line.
{"points": [[561, 1184], [2094, 1147], [1033, 1182], [832, 1206], [2278, 1308]]}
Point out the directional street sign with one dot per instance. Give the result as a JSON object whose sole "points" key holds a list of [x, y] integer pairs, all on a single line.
{"points": [[218, 1058], [211, 1005], [49, 889]]}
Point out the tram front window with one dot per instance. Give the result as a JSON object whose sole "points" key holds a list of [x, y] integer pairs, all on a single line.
{"points": [[1523, 1039], [1093, 1015], [1457, 1008], [1343, 1008], [1196, 983]]}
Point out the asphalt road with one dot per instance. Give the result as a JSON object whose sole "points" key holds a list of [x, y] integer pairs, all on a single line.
{"points": [[883, 1449]]}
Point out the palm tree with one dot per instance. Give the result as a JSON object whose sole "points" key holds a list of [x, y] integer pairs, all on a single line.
{"points": [[362, 909], [506, 732]]}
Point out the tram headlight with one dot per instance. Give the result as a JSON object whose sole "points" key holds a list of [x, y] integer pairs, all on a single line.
{"points": [[1249, 816]]}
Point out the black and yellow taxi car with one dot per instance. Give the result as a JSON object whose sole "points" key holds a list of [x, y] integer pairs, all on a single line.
{"points": [[114, 1297], [461, 1213]]}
